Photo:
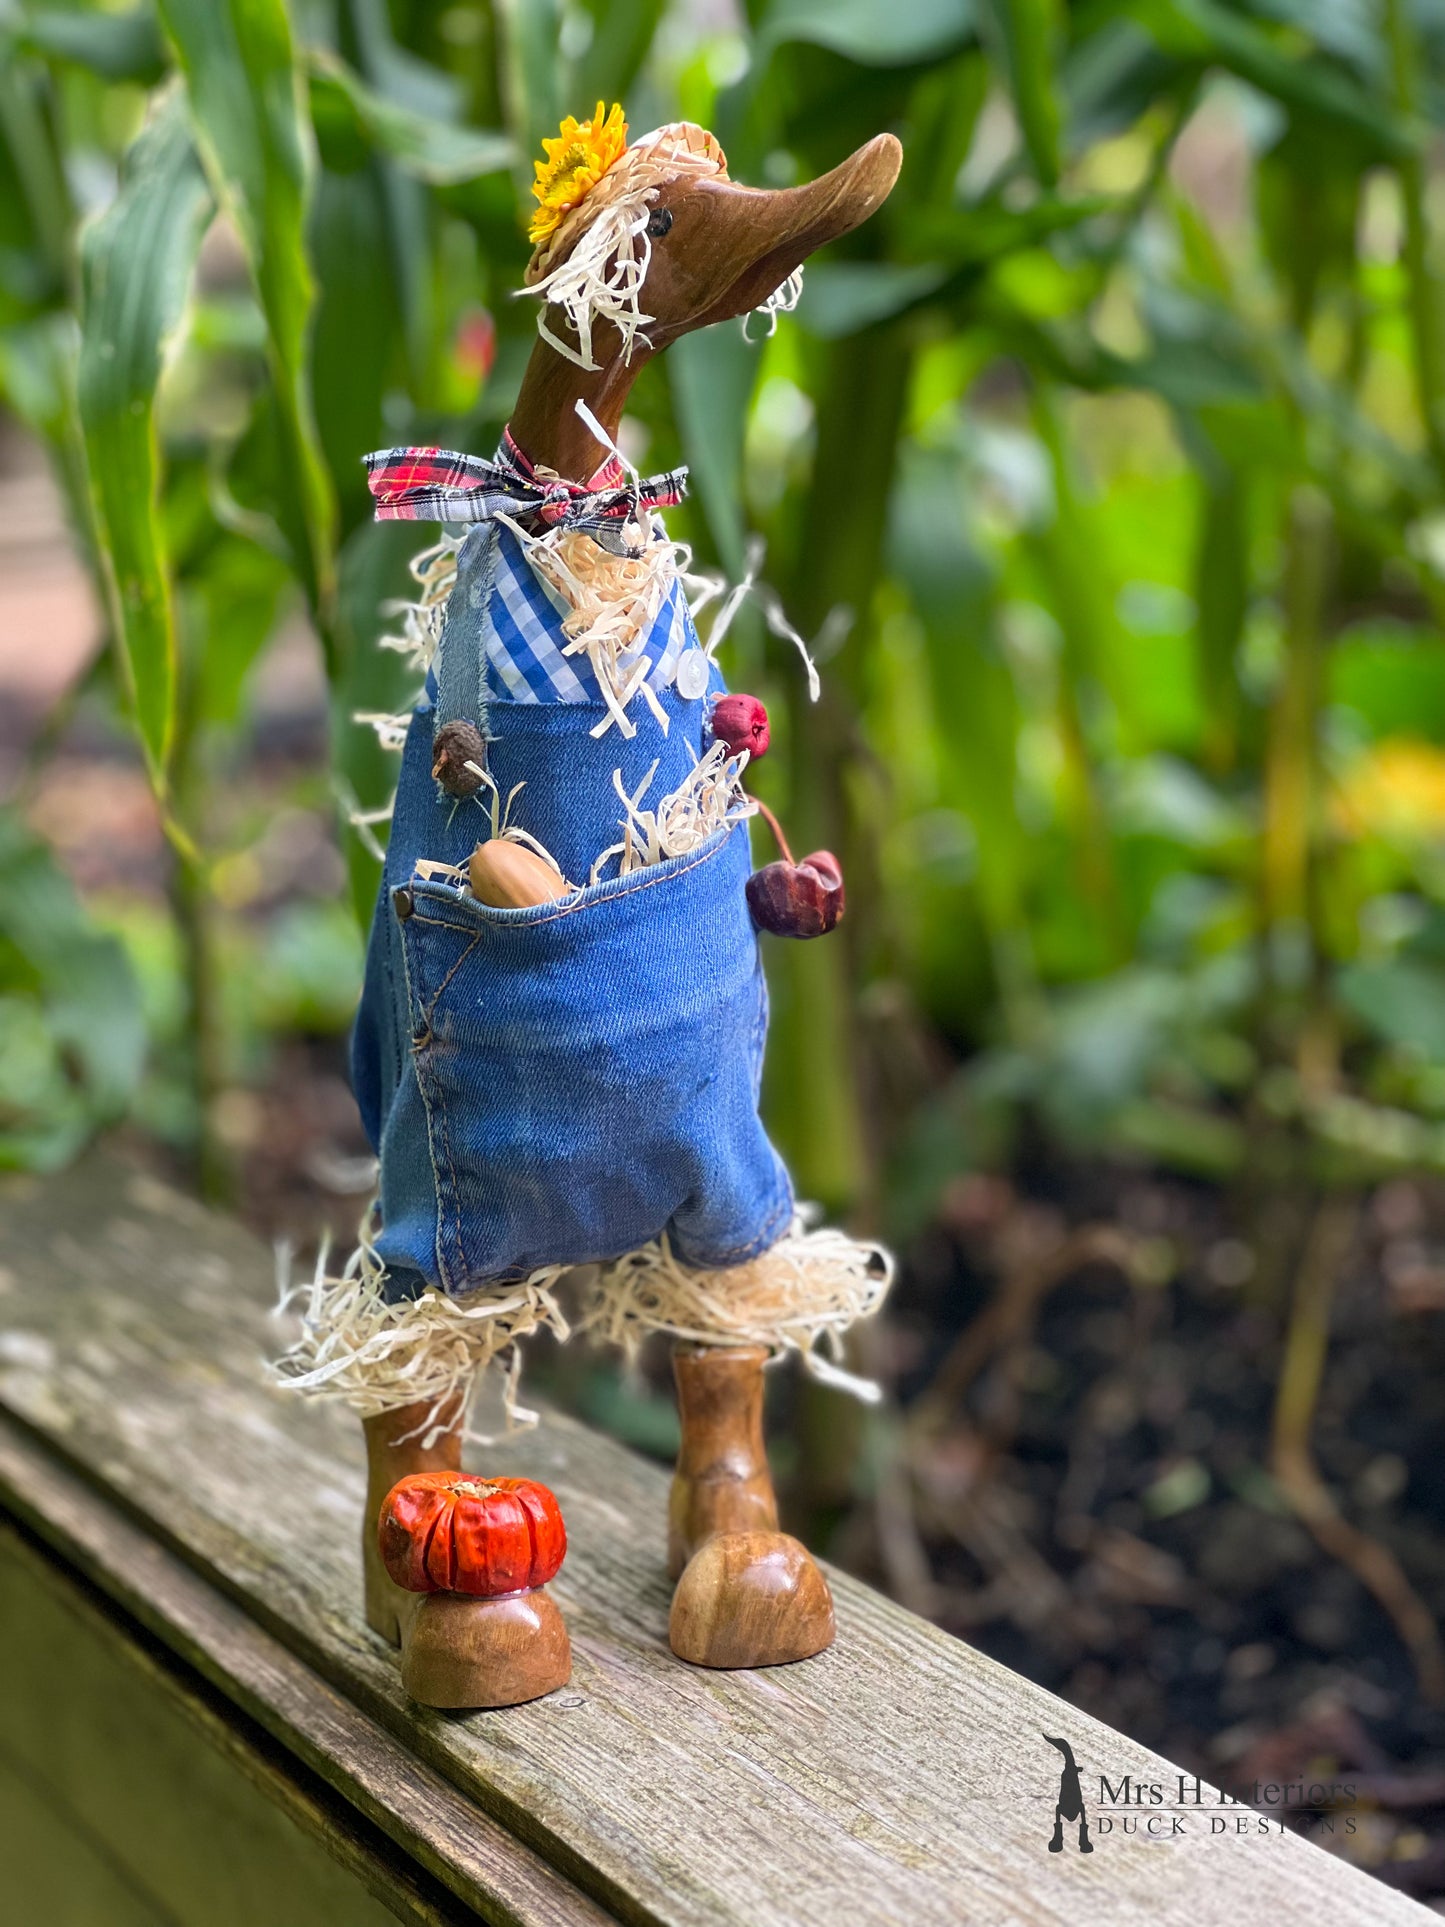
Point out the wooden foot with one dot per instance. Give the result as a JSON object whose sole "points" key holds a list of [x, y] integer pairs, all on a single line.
{"points": [[747, 1594], [750, 1599], [722, 1482], [391, 1455], [459, 1652]]}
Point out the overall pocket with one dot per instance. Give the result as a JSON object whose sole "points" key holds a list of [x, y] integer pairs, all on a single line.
{"points": [[589, 1070]]}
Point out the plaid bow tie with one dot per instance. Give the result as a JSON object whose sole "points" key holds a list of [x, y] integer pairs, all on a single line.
{"points": [[439, 485]]}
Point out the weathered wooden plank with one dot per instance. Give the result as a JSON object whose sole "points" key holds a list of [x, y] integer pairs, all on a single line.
{"points": [[900, 1777], [214, 1832], [436, 1826]]}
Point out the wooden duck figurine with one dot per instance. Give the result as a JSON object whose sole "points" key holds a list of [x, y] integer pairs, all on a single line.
{"points": [[695, 248]]}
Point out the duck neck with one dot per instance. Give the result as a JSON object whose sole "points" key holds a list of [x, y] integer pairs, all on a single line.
{"points": [[545, 424]]}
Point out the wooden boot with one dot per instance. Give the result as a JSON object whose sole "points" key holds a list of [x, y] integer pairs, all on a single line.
{"points": [[394, 1447], [457, 1651], [722, 1482], [747, 1594]]}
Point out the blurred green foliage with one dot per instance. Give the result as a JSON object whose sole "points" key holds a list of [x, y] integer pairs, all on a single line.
{"points": [[72, 1033], [1105, 463]]}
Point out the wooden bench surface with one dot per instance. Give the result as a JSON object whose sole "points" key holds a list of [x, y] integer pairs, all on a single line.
{"points": [[900, 1778]]}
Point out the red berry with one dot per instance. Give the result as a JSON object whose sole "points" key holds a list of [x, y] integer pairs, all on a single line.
{"points": [[798, 899], [742, 723]]}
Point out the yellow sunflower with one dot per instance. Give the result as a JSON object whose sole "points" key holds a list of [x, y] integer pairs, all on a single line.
{"points": [[575, 163]]}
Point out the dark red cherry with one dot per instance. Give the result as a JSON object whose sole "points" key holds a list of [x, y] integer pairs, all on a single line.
{"points": [[798, 899]]}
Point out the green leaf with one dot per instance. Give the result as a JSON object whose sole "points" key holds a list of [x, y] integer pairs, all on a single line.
{"points": [[1206, 32], [247, 110], [1392, 676], [952, 588], [117, 46], [1401, 1000], [622, 34], [37, 366], [1109, 79], [986, 231], [231, 616], [1190, 374], [532, 72], [1221, 594], [357, 337], [1343, 28], [875, 33], [840, 297], [136, 263], [1023, 34], [432, 150], [1188, 1138], [310, 972], [373, 571], [72, 1034], [37, 380], [1180, 1489], [36, 213], [712, 376]]}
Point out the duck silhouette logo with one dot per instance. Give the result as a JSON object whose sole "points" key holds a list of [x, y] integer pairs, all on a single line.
{"points": [[1070, 1803]]}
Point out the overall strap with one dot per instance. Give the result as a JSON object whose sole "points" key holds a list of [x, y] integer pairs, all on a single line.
{"points": [[460, 669]]}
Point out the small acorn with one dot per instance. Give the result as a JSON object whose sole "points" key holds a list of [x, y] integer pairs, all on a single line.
{"points": [[454, 747], [508, 876], [798, 899], [741, 722]]}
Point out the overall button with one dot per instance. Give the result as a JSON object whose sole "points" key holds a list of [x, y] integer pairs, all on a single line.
{"points": [[692, 674]]}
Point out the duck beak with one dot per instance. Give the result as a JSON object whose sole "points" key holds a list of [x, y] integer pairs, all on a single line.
{"points": [[768, 233]]}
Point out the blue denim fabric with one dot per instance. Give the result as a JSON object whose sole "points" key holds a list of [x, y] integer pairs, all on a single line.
{"points": [[562, 1083]]}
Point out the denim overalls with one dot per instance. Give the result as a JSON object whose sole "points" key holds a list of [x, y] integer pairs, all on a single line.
{"points": [[563, 1083]]}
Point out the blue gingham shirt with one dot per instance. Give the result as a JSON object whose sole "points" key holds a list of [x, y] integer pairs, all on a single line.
{"points": [[524, 636]]}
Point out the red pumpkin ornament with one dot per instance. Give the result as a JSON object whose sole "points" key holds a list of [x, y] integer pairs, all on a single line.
{"points": [[453, 1532]]}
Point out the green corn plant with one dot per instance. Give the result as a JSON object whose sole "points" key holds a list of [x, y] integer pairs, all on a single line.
{"points": [[228, 129], [1021, 773]]}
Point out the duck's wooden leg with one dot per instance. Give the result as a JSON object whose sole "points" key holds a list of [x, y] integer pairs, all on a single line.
{"points": [[456, 1651], [747, 1594], [395, 1446], [722, 1482]]}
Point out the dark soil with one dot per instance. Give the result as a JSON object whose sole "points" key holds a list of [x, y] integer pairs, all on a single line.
{"points": [[1088, 1498]]}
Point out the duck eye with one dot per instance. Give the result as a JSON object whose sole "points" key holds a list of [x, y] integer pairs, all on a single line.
{"points": [[659, 222]]}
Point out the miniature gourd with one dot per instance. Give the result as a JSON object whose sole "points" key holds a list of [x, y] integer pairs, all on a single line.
{"points": [[450, 1532]]}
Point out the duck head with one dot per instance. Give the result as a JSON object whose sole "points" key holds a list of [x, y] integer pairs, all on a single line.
{"points": [[697, 247]]}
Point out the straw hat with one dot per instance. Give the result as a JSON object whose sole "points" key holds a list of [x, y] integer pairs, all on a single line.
{"points": [[636, 171]]}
